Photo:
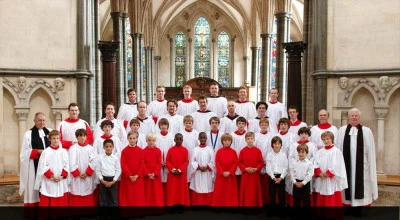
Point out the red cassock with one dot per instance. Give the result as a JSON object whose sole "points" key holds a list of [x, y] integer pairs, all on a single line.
{"points": [[177, 186], [132, 193], [153, 187], [225, 189], [250, 194]]}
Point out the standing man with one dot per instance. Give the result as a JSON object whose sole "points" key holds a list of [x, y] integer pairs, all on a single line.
{"points": [[68, 127], [276, 110], [147, 123], [175, 120], [128, 110], [244, 107], [228, 122], [118, 129], [187, 105], [295, 123], [157, 107], [34, 142], [324, 125], [254, 124], [358, 147], [216, 103], [202, 116]]}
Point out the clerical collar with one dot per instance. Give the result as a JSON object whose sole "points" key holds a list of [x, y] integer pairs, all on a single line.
{"points": [[202, 146], [296, 123], [160, 100], [131, 145], [264, 133], [232, 117], [141, 119], [106, 137], [70, 120], [128, 103], [54, 147], [214, 96], [240, 102], [240, 132], [189, 130], [164, 133], [271, 102], [214, 132], [261, 117], [283, 133], [329, 147], [187, 100], [205, 111], [303, 142], [358, 126], [82, 145], [324, 126]]}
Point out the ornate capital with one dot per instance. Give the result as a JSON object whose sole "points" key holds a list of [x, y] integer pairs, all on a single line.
{"points": [[108, 50], [22, 114], [157, 57], [255, 48], [344, 114], [381, 113], [294, 50]]}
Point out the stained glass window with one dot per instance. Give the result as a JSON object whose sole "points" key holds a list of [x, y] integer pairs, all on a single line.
{"points": [[223, 59], [273, 51], [129, 59], [202, 48], [180, 59]]}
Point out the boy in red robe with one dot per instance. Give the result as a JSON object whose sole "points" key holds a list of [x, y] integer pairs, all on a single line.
{"points": [[177, 162], [131, 193], [152, 173], [225, 189], [250, 163]]}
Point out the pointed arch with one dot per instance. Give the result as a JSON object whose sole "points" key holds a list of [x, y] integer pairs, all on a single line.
{"points": [[180, 58], [362, 83], [201, 47], [12, 88], [223, 60], [46, 86]]}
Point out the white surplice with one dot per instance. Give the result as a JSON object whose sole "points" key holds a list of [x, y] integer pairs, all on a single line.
{"points": [[218, 105], [164, 143], [202, 182], [275, 112]]}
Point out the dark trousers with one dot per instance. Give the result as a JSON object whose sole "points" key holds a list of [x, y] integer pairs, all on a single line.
{"points": [[301, 194], [281, 191], [108, 196]]}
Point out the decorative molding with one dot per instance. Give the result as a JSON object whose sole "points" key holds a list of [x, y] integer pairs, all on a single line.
{"points": [[343, 82], [59, 83], [41, 73], [366, 82], [381, 113], [357, 73], [22, 114]]}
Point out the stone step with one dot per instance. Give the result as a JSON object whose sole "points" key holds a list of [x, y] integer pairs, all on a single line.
{"points": [[9, 179], [392, 180]]}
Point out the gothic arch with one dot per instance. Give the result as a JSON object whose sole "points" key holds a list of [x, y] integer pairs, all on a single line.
{"points": [[362, 83], [10, 87], [46, 86], [391, 92]]}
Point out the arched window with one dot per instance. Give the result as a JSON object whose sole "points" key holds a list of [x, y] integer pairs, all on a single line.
{"points": [[223, 59], [180, 59], [202, 48], [129, 59]]}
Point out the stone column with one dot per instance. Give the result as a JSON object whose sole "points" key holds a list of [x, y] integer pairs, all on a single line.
{"points": [[149, 73], [191, 60], [157, 64], [137, 64], [109, 58], [117, 33], [57, 115], [213, 72], [283, 36], [381, 114], [22, 115], [124, 16], [172, 62], [245, 59], [294, 52], [266, 66], [232, 60], [255, 64]]}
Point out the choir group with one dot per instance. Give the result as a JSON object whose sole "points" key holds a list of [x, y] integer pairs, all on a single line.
{"points": [[205, 152]]}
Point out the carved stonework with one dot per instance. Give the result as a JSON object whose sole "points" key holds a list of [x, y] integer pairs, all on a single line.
{"points": [[45, 84], [21, 81], [343, 82], [59, 83], [384, 82], [11, 85], [357, 82], [381, 113], [22, 115]]}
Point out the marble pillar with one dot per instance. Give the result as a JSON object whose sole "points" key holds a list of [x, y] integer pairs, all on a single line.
{"points": [[22, 115], [109, 58], [381, 114], [266, 66]]}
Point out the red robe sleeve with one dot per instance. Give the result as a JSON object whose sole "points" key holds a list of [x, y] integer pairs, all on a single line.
{"points": [[170, 166], [330, 174], [75, 173], [317, 171], [89, 171], [142, 167], [34, 154], [124, 165], [220, 171], [89, 132], [157, 172], [232, 170], [185, 159], [65, 144], [48, 174], [64, 174], [260, 163], [241, 164]]}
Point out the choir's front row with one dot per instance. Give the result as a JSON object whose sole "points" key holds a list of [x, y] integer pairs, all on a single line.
{"points": [[176, 175]]}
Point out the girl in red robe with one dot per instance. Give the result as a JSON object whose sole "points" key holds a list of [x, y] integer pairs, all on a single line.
{"points": [[152, 171], [250, 163], [225, 188], [131, 190]]}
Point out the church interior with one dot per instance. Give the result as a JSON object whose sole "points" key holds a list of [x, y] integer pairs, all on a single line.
{"points": [[333, 54]]}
